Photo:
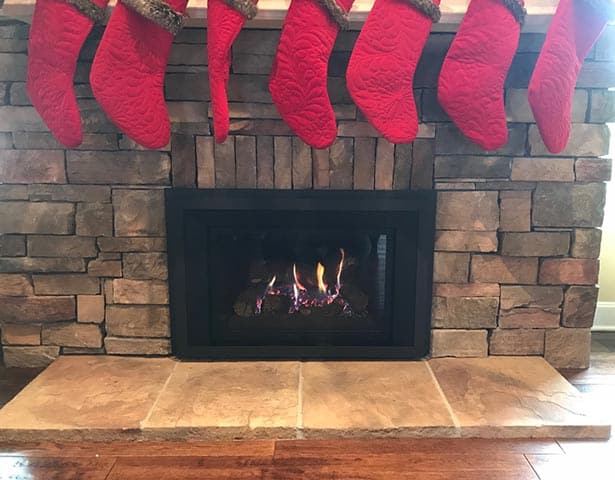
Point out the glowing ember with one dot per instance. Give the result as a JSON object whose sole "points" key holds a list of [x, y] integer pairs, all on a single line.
{"points": [[303, 296]]}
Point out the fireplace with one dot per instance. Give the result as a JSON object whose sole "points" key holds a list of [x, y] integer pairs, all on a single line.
{"points": [[291, 274]]}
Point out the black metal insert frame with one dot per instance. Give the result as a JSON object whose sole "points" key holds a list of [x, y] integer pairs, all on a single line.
{"points": [[290, 274]]}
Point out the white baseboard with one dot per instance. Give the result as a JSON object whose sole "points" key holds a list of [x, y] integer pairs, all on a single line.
{"points": [[605, 317]]}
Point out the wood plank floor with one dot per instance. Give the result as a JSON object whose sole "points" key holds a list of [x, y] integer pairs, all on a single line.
{"points": [[390, 459]]}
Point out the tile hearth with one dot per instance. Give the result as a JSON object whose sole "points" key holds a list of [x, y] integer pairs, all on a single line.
{"points": [[106, 397]]}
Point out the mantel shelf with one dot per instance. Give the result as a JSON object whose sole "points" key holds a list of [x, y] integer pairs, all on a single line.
{"points": [[272, 13]]}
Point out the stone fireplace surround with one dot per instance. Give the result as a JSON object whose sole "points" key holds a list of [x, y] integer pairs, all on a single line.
{"points": [[82, 245]]}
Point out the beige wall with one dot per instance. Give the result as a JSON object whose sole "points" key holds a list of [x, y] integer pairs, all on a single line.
{"points": [[607, 250]]}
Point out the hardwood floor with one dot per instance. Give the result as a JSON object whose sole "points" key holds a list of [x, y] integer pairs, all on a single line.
{"points": [[390, 459]]}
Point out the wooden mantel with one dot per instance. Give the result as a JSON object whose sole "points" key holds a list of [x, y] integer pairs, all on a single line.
{"points": [[272, 12]]}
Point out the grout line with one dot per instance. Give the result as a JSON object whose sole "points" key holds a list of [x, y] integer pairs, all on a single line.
{"points": [[164, 387], [300, 403], [446, 402]]}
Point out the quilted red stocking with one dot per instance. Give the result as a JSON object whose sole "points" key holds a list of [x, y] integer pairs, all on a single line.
{"points": [[298, 82], [471, 84], [59, 29], [575, 27], [225, 18], [127, 75], [381, 69]]}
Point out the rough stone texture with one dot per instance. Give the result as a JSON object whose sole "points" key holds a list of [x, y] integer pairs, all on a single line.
{"points": [[466, 241], [29, 357], [32, 166], [21, 334], [138, 213], [579, 306], [569, 271], [12, 245], [41, 265], [466, 290], [145, 266], [593, 169], [517, 342], [472, 167], [529, 318], [90, 308], [514, 296], [492, 268], [586, 140], [465, 312], [451, 267], [24, 217], [105, 268], [602, 106], [94, 219], [70, 193], [65, 284], [459, 343], [467, 211], [568, 347], [586, 243], [65, 247], [137, 321], [543, 169], [15, 285], [515, 211], [518, 108], [568, 205], [535, 244], [37, 309], [72, 335], [140, 292], [137, 346], [119, 244]]}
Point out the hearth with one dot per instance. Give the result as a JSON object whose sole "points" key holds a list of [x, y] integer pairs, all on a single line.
{"points": [[292, 274]]}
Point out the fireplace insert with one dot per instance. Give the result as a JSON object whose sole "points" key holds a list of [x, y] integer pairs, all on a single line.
{"points": [[300, 274]]}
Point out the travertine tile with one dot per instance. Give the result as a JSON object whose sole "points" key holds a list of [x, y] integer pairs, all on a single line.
{"points": [[514, 397], [375, 398], [227, 400], [86, 396]]}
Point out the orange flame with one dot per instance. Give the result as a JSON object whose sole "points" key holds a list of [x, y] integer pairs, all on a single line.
{"points": [[320, 272], [296, 277], [339, 269]]}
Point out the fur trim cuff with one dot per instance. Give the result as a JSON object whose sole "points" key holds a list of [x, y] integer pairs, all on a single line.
{"points": [[602, 6], [518, 11], [158, 12], [89, 9], [337, 13], [428, 8], [246, 7]]}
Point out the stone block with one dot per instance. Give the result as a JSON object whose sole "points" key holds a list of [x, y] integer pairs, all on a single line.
{"points": [[579, 307], [450, 141], [568, 347], [515, 211], [65, 284], [402, 168], [137, 321], [36, 309], [459, 343], [183, 166], [13, 66], [466, 241], [598, 75], [145, 266], [340, 161], [16, 285], [467, 211], [586, 140], [535, 244], [602, 108], [32, 166], [517, 342], [466, 290], [137, 346], [119, 168], [465, 312], [105, 268], [458, 166], [61, 246], [72, 335], [511, 270], [188, 54], [569, 271], [604, 45], [515, 296], [46, 141], [568, 205], [26, 217], [134, 244], [451, 267], [139, 213], [41, 265], [90, 308], [29, 357], [13, 192], [20, 334], [543, 169], [140, 292], [518, 108], [529, 318], [251, 88], [593, 169], [205, 162], [586, 242], [12, 245], [24, 119], [301, 164], [94, 219], [70, 193]]}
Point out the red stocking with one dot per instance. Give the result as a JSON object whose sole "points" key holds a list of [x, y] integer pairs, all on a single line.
{"points": [[128, 72], [58, 31], [575, 27], [225, 18], [298, 82], [383, 61], [471, 84]]}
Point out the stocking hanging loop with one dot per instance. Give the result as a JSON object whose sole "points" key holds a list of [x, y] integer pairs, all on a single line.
{"points": [[246, 7], [338, 13], [518, 11], [428, 8], [158, 12], [89, 9]]}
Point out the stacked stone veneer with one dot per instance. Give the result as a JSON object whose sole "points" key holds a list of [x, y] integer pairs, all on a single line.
{"points": [[82, 250]]}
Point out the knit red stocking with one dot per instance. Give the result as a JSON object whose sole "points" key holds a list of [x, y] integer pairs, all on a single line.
{"points": [[225, 18], [575, 27], [59, 29], [127, 75], [381, 69], [298, 82], [471, 84]]}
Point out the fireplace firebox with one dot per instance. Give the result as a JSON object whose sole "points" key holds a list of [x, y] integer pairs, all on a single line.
{"points": [[300, 274]]}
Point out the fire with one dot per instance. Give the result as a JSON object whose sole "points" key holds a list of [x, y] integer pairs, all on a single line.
{"points": [[296, 278], [320, 272]]}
